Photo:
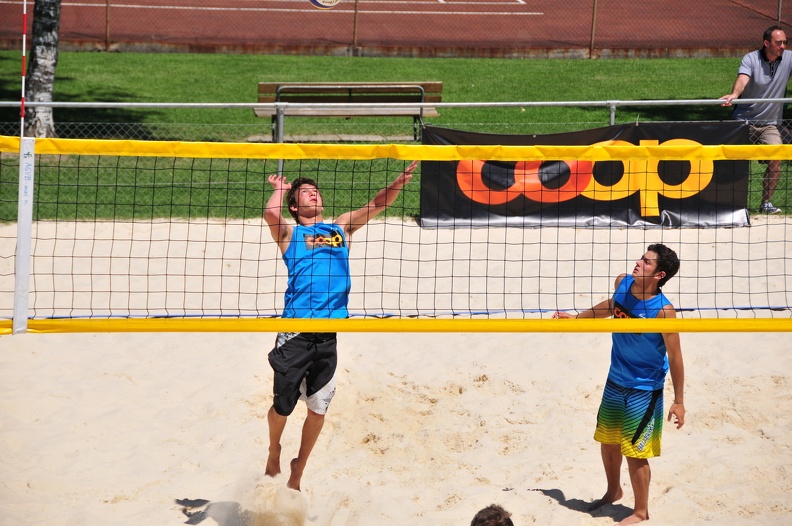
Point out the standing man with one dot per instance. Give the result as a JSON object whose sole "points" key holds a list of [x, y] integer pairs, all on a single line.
{"points": [[630, 417], [317, 259], [763, 74]]}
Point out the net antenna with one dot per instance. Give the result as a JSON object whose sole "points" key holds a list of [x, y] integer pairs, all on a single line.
{"points": [[25, 204]]}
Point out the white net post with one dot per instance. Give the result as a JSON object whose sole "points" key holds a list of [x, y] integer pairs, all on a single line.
{"points": [[24, 233]]}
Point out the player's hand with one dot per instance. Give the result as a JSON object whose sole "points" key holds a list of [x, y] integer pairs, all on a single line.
{"points": [[406, 175], [562, 316], [279, 182], [677, 413]]}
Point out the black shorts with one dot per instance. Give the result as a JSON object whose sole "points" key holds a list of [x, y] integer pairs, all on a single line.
{"points": [[304, 365]]}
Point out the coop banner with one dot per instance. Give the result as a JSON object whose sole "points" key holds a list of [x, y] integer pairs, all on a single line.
{"points": [[638, 192]]}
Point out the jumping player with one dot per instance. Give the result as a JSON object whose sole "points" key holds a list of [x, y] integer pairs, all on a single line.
{"points": [[317, 259]]}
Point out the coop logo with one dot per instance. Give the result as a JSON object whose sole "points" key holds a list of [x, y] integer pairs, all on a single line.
{"points": [[638, 175], [334, 240], [620, 312]]}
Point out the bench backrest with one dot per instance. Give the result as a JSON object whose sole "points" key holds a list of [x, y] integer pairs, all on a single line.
{"points": [[349, 92]]}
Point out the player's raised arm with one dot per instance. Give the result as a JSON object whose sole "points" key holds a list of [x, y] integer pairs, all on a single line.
{"points": [[279, 228], [354, 220]]}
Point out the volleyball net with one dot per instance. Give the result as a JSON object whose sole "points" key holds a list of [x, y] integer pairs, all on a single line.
{"points": [[169, 236]]}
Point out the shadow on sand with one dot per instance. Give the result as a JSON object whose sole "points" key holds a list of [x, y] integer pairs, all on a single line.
{"points": [[615, 511], [281, 509]]}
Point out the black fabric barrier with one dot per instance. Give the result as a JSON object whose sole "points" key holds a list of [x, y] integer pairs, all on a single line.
{"points": [[554, 193]]}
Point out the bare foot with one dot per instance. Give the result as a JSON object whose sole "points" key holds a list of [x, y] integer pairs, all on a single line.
{"points": [[296, 475], [633, 519], [606, 499], [273, 461]]}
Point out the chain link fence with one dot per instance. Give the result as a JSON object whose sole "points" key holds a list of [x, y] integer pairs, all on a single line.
{"points": [[426, 28], [357, 131]]}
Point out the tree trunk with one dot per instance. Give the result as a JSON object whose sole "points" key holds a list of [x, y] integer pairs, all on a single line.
{"points": [[40, 77]]}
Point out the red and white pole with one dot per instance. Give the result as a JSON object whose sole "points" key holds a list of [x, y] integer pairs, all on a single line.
{"points": [[24, 69]]}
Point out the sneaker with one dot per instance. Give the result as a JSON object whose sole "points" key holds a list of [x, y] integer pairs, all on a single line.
{"points": [[768, 208]]}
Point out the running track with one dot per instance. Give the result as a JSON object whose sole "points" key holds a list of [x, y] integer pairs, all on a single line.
{"points": [[412, 28]]}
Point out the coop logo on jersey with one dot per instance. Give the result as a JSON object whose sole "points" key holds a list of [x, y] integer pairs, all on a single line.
{"points": [[334, 240], [621, 312], [487, 186]]}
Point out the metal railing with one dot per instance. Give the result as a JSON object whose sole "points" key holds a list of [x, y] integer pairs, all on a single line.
{"points": [[378, 130]]}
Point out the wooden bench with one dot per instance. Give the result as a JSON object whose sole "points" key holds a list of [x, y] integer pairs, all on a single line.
{"points": [[386, 99]]}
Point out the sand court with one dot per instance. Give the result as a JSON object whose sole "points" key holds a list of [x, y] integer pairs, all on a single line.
{"points": [[425, 429], [114, 428]]}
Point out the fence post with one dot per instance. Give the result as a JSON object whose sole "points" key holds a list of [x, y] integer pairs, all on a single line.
{"points": [[594, 28], [107, 25], [27, 166], [355, 31]]}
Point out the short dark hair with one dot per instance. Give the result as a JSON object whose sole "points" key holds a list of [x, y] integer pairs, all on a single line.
{"points": [[291, 199], [492, 515], [768, 34], [667, 261]]}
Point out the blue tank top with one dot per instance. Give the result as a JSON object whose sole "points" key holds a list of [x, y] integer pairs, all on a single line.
{"points": [[319, 281], [638, 361]]}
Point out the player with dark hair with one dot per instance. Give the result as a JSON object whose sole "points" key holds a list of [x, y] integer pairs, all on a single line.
{"points": [[316, 254], [492, 515], [630, 417]]}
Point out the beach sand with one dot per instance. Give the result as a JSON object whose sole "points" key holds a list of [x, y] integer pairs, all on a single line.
{"points": [[111, 429]]}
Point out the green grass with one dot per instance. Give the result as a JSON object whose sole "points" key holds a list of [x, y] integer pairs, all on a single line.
{"points": [[134, 77], [144, 188], [201, 191]]}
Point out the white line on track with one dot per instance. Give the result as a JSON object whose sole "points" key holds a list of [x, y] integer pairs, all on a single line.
{"points": [[309, 9]]}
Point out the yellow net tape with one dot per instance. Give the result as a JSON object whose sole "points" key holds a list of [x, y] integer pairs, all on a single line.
{"points": [[692, 151]]}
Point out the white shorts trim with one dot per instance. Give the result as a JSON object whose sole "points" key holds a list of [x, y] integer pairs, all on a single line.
{"points": [[320, 400]]}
